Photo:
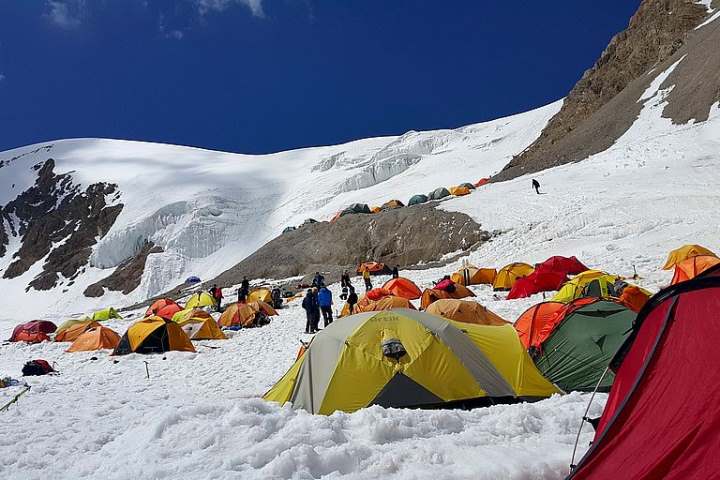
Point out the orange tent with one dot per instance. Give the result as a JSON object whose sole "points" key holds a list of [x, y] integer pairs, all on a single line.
{"points": [[377, 293], [168, 311], [385, 303], [459, 191], [402, 287], [431, 295], [470, 275], [685, 252], [375, 268], [692, 267], [95, 339], [531, 322], [243, 314], [71, 333], [634, 298], [375, 210], [158, 305], [465, 311]]}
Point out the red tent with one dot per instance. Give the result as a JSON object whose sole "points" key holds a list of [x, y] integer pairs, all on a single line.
{"points": [[159, 305], [33, 332], [662, 418], [378, 293], [565, 265], [481, 182], [168, 311], [536, 282]]}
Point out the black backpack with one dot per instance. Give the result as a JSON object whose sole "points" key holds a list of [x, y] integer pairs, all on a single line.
{"points": [[36, 368]]}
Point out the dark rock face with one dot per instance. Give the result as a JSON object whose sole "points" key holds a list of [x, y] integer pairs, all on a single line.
{"points": [[57, 219], [127, 275], [603, 104], [404, 236]]}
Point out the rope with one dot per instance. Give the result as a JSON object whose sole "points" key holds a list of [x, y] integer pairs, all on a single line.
{"points": [[585, 418]]}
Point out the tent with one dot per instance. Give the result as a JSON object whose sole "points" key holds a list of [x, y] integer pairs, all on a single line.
{"points": [[402, 287], [377, 293], [576, 346], [508, 275], [662, 417], [375, 268], [70, 330], [465, 311], [35, 331], [153, 335], [418, 199], [198, 325], [168, 311], [575, 287], [376, 209], [470, 275], [308, 221], [405, 358], [634, 298], [106, 314], [355, 208], [200, 300], [530, 325], [692, 267], [565, 265], [538, 281], [467, 185], [481, 182], [438, 193], [260, 295], [392, 204], [243, 314], [685, 252], [288, 229], [96, 338], [157, 305], [431, 295], [391, 302], [459, 191], [192, 279]]}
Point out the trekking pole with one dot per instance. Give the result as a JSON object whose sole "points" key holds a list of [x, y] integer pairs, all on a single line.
{"points": [[147, 369], [585, 418], [15, 398]]}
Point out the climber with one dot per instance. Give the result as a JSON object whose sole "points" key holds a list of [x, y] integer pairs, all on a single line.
{"points": [[536, 186]]}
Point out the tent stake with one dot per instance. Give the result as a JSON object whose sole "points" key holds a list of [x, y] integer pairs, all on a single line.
{"points": [[584, 418], [147, 370]]}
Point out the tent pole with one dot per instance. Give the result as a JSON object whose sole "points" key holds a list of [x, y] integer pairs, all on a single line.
{"points": [[585, 419]]}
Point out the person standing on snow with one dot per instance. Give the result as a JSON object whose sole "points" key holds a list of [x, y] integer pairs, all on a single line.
{"points": [[352, 299], [245, 286], [396, 271], [325, 301], [218, 296], [536, 186], [345, 279], [309, 303], [366, 277]]}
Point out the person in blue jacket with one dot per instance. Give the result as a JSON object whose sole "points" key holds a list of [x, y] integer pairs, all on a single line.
{"points": [[326, 301]]}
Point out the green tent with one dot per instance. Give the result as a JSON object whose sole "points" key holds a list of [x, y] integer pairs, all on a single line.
{"points": [[439, 193], [583, 342], [418, 199], [106, 314]]}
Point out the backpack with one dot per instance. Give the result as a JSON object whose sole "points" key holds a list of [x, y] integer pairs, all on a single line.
{"points": [[36, 368]]}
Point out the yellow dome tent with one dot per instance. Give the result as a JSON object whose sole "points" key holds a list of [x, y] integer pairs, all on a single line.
{"points": [[153, 335], [685, 252], [405, 358], [471, 275], [200, 300], [260, 294], [459, 190], [198, 324], [506, 276], [574, 288]]}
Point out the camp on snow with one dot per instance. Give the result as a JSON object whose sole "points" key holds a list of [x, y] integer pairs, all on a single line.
{"points": [[465, 311], [574, 347], [661, 417], [405, 358], [154, 335]]}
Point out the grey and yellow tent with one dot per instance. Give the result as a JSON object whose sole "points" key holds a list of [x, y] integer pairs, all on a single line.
{"points": [[405, 358]]}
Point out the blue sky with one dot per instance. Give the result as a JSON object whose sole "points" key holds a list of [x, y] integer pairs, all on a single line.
{"points": [[258, 76]]}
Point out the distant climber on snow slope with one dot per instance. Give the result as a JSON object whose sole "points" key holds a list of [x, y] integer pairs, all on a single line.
{"points": [[536, 186]]}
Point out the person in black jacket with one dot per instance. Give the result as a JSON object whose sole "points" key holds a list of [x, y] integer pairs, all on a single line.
{"points": [[536, 186], [245, 286], [345, 279], [308, 305], [352, 299], [396, 272]]}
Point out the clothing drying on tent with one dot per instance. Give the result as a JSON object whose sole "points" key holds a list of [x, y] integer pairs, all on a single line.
{"points": [[418, 199], [508, 275], [538, 281], [576, 346], [431, 295], [531, 324], [575, 287], [199, 325], [692, 267], [154, 335], [158, 305], [260, 295], [200, 300], [459, 191], [392, 204], [402, 287], [565, 265], [375, 268], [35, 331], [465, 311], [685, 252], [662, 417], [96, 338], [470, 275], [70, 330], [405, 358], [438, 193], [106, 314], [481, 182]]}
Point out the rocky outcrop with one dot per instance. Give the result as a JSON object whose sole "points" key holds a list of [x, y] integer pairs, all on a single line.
{"points": [[603, 105], [127, 276], [57, 221], [405, 236]]}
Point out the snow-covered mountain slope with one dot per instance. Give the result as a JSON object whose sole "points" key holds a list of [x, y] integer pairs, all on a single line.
{"points": [[208, 210]]}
